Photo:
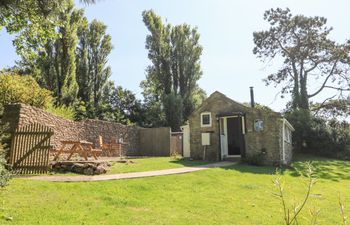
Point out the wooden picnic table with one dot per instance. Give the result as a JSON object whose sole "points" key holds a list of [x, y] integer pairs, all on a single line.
{"points": [[83, 148]]}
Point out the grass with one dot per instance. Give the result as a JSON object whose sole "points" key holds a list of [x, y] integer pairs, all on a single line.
{"points": [[152, 163], [239, 194]]}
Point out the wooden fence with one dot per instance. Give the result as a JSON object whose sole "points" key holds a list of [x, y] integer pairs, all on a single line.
{"points": [[160, 142], [155, 141], [30, 149]]}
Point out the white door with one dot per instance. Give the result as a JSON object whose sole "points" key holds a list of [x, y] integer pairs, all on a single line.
{"points": [[223, 137]]}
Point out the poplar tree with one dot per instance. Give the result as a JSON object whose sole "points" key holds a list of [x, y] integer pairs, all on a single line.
{"points": [[92, 57], [171, 79], [57, 60]]}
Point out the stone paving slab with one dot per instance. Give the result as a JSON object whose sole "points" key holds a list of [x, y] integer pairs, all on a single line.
{"points": [[120, 176]]}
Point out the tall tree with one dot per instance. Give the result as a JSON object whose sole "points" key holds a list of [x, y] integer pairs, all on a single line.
{"points": [[82, 61], [120, 105], [92, 57], [32, 21], [172, 78], [57, 60], [308, 56]]}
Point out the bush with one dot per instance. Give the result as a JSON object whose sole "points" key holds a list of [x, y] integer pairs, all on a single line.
{"points": [[66, 112], [23, 89], [319, 136], [4, 173]]}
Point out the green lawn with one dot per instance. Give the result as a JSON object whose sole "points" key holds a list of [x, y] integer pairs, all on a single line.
{"points": [[152, 163], [239, 194]]}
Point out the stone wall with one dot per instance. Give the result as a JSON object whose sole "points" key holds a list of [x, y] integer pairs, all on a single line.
{"points": [[265, 142], [19, 115]]}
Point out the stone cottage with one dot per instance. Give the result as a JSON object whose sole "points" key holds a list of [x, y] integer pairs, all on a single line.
{"points": [[222, 128]]}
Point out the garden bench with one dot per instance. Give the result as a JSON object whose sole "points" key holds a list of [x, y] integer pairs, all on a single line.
{"points": [[83, 148]]}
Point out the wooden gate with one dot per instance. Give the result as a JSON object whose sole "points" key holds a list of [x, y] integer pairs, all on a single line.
{"points": [[176, 143], [30, 149]]}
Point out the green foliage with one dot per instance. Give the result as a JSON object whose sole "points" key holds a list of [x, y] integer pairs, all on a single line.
{"points": [[173, 105], [334, 108], [22, 89], [63, 111], [120, 105], [57, 61], [174, 52], [92, 56], [33, 22], [309, 56], [319, 136], [4, 173]]}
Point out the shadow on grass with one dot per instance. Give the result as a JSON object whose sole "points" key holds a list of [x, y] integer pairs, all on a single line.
{"points": [[189, 163], [239, 166], [324, 168]]}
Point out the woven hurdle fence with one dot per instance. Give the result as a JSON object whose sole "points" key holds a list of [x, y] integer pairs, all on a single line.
{"points": [[30, 149]]}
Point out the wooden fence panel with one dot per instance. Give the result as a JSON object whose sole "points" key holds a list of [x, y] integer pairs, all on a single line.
{"points": [[155, 141], [30, 149]]}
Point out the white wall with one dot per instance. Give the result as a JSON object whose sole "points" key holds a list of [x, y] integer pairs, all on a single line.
{"points": [[186, 140]]}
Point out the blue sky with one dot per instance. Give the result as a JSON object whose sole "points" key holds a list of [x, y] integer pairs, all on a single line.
{"points": [[226, 28]]}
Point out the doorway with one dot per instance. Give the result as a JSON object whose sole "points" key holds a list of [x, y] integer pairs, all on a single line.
{"points": [[232, 130]]}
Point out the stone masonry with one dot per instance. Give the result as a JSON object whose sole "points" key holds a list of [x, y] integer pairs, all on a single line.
{"points": [[17, 115], [266, 142]]}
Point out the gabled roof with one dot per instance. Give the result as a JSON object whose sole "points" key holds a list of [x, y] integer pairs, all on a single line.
{"points": [[218, 94]]}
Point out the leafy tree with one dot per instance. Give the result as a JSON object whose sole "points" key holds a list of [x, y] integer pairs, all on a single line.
{"points": [[120, 105], [332, 109], [173, 106], [175, 55], [82, 61], [100, 47], [308, 54], [33, 22], [57, 60], [92, 57]]}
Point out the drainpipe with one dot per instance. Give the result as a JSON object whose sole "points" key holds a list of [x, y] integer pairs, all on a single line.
{"points": [[252, 103]]}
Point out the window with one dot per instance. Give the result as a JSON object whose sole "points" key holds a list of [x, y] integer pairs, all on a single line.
{"points": [[206, 119]]}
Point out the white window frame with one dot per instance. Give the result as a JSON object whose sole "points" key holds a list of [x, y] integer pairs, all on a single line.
{"points": [[210, 119]]}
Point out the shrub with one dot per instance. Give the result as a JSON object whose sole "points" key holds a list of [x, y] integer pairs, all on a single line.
{"points": [[66, 112], [4, 173], [22, 89], [319, 136]]}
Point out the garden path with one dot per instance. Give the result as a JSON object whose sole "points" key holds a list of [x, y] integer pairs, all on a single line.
{"points": [[84, 178]]}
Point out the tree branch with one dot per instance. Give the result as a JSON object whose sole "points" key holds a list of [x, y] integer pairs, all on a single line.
{"points": [[324, 83]]}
